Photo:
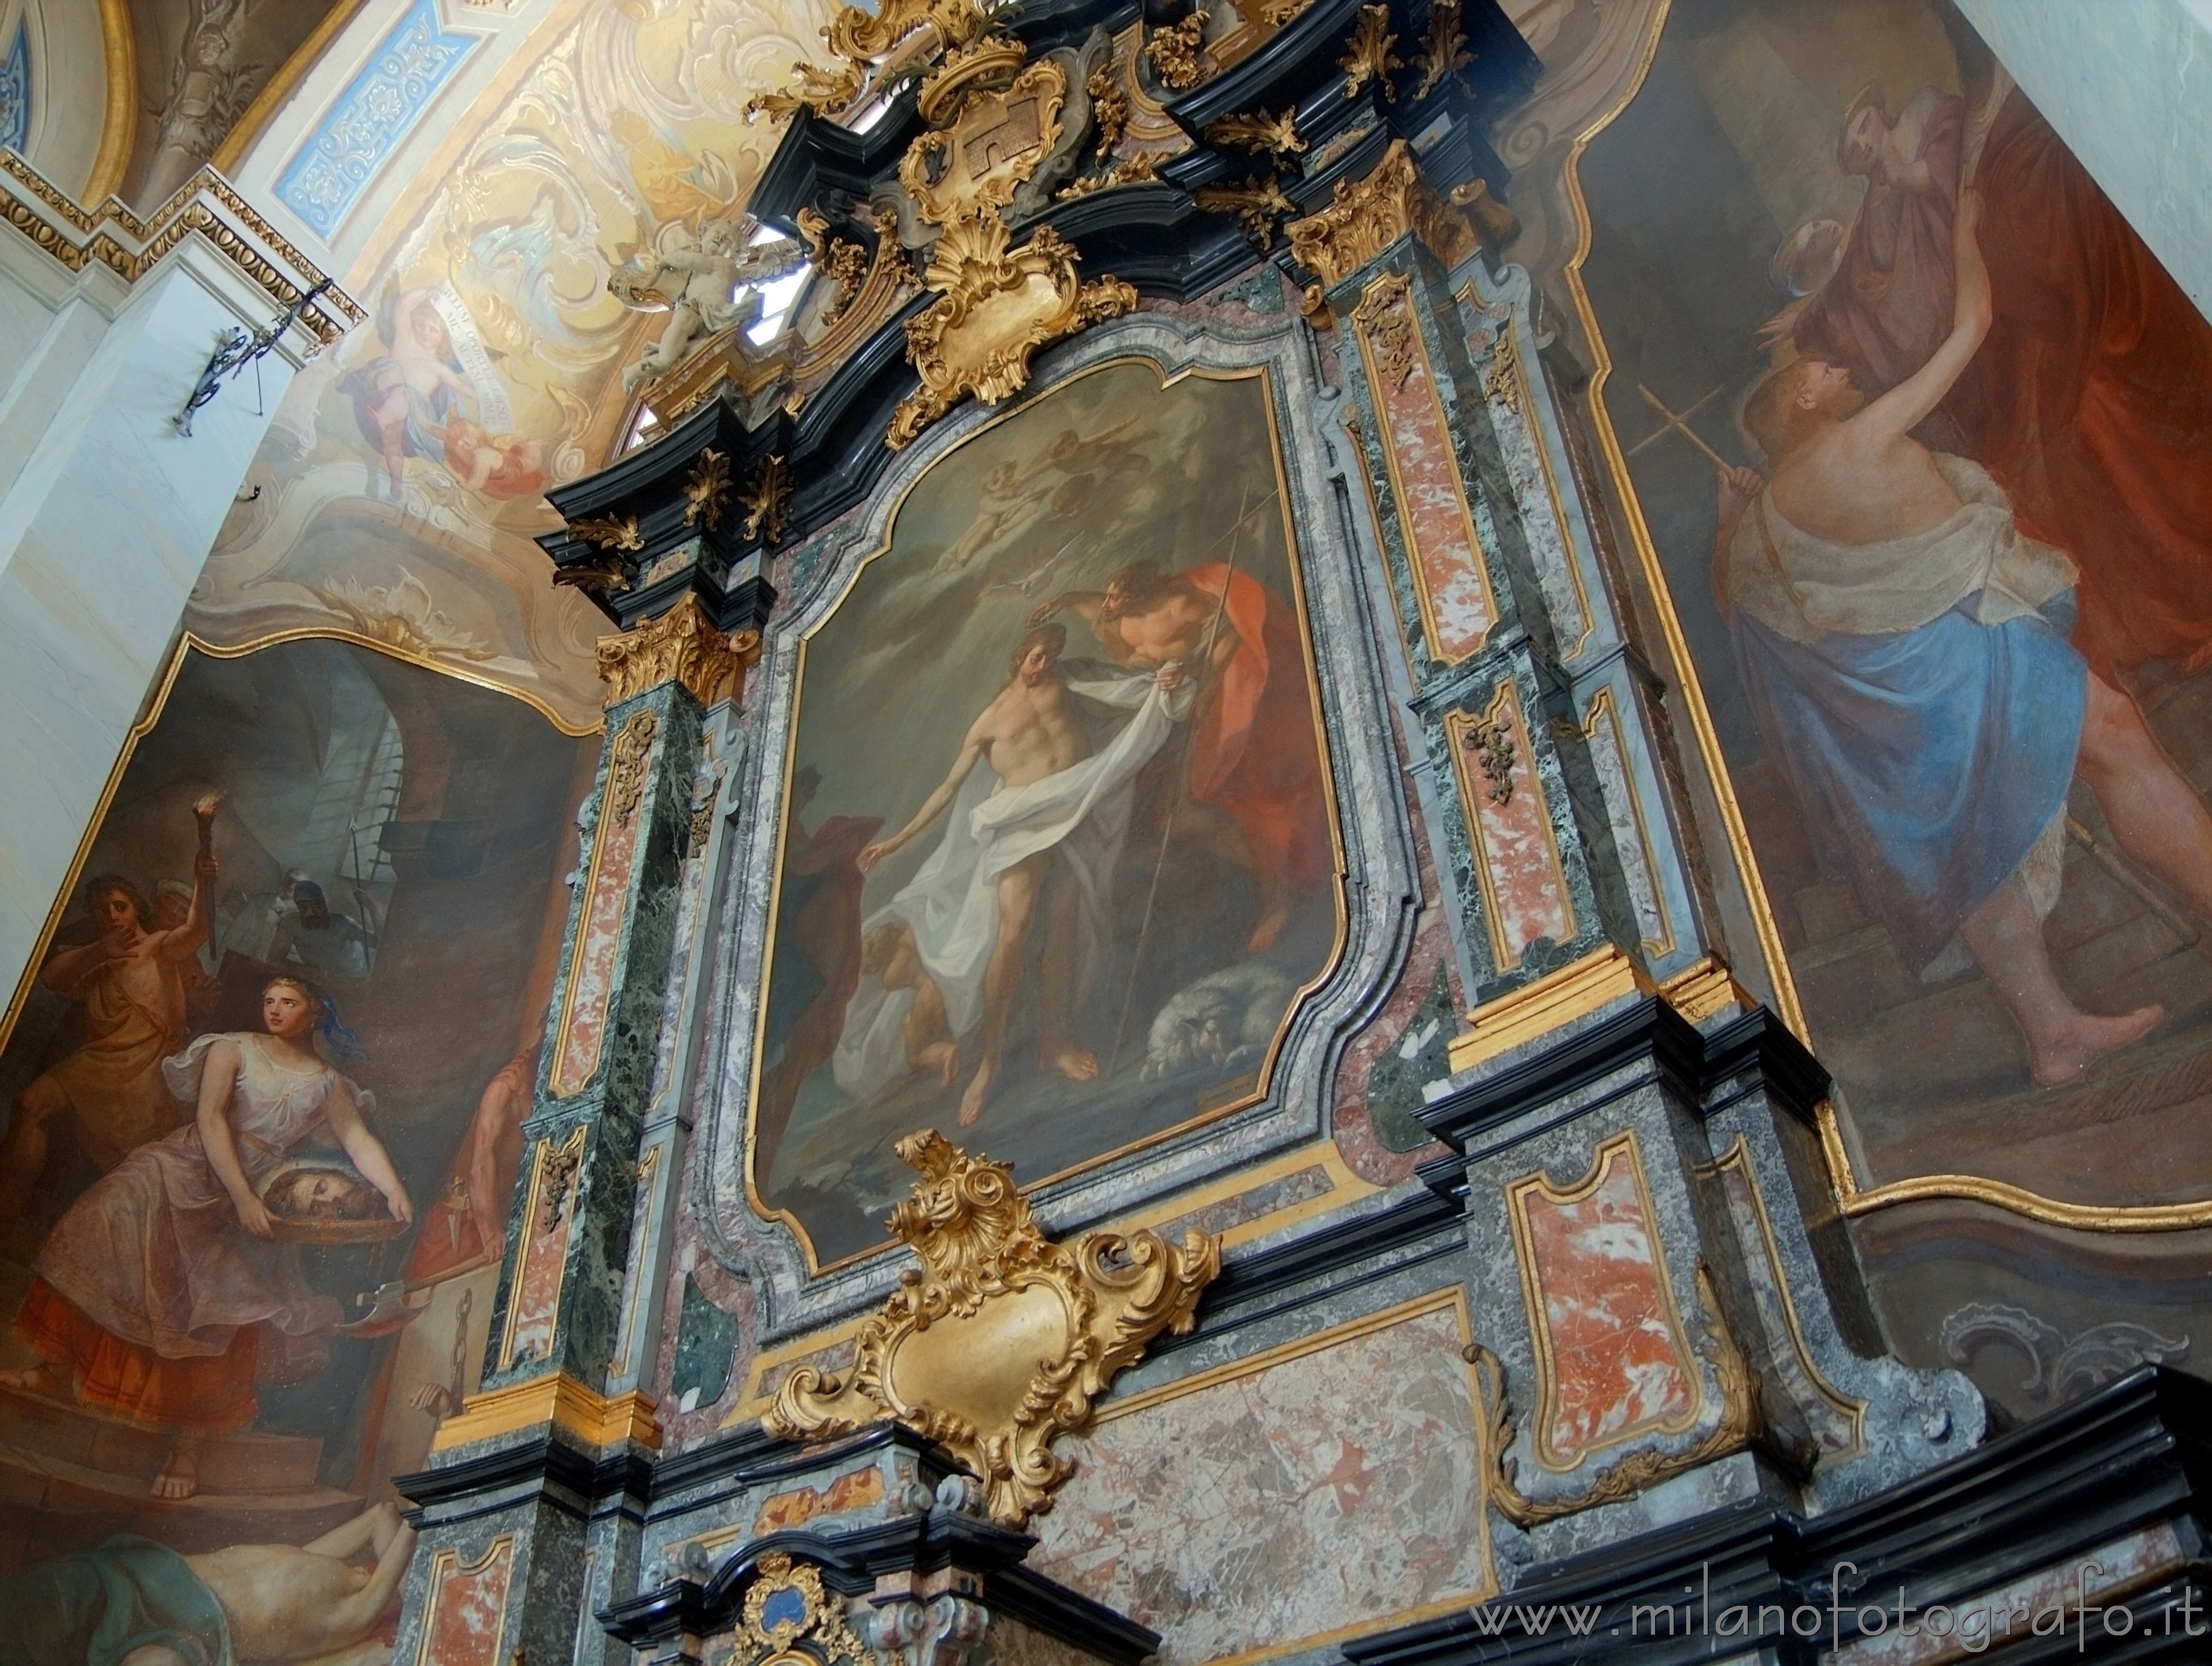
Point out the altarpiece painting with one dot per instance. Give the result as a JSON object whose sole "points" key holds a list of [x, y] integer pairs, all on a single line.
{"points": [[1058, 854]]}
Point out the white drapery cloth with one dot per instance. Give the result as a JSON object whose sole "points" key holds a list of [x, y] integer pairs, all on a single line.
{"points": [[951, 905]]}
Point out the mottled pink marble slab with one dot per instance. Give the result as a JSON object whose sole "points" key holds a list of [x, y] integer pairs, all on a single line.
{"points": [[1317, 1496], [1457, 607], [468, 1606], [1611, 1358], [591, 972], [1523, 881]]}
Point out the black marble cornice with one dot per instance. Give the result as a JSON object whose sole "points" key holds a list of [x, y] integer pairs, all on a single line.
{"points": [[572, 1481], [2133, 1455], [851, 1563], [815, 157], [1647, 1032]]}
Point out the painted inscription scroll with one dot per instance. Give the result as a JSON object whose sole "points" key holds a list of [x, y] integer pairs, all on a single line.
{"points": [[1058, 852]]}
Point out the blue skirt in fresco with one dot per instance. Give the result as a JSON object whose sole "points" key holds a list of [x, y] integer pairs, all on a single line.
{"points": [[1929, 761]]}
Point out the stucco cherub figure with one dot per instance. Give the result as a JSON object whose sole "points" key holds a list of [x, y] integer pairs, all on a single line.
{"points": [[709, 286]]}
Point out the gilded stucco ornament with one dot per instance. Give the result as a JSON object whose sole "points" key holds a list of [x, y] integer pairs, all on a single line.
{"points": [[682, 646], [998, 119], [999, 1342], [789, 1616], [1366, 218], [1367, 55], [874, 51], [1259, 205]]}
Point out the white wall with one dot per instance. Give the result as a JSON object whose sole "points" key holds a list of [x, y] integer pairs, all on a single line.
{"points": [[2128, 83], [107, 516]]}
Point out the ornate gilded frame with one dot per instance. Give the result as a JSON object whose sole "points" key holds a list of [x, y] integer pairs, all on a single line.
{"points": [[801, 1292]]}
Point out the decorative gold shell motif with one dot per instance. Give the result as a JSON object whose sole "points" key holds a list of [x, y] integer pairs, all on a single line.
{"points": [[999, 1342]]}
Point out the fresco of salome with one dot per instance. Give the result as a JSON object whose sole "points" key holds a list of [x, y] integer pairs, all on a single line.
{"points": [[265, 1091], [1922, 436], [1058, 852]]}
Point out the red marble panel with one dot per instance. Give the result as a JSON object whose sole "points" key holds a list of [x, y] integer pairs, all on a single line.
{"points": [[1611, 1359], [1517, 863], [468, 1606], [1457, 609]]}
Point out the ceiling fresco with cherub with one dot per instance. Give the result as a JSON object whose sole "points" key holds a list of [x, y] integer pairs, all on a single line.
{"points": [[406, 470]]}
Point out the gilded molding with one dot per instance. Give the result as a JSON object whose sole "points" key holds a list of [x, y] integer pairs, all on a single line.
{"points": [[118, 126], [1538, 1008], [1740, 1422], [1443, 47], [1384, 318], [556, 1398], [1367, 217], [1258, 204], [999, 1342], [113, 237], [681, 646]]}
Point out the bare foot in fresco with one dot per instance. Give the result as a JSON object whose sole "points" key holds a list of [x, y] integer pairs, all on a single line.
{"points": [[979, 1091], [2061, 1057], [42, 1379], [180, 1475], [944, 1057], [1077, 1064]]}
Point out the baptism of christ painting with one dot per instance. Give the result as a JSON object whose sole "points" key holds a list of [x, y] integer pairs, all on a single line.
{"points": [[1057, 853]]}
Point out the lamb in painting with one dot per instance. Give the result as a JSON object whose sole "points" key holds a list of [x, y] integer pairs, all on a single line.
{"points": [[1225, 1019]]}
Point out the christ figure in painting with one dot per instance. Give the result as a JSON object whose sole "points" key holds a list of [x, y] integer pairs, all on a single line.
{"points": [[151, 1295], [1039, 831], [1904, 648], [1253, 793]]}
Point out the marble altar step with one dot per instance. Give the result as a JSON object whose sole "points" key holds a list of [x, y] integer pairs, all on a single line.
{"points": [[107, 1446]]}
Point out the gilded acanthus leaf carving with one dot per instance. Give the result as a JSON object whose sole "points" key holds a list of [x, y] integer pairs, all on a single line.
{"points": [[1366, 218], [1177, 54], [998, 1344], [682, 646], [1443, 47], [1367, 54], [1276, 134], [1258, 204]]}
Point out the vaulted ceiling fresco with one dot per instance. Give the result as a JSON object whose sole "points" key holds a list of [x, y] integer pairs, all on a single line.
{"points": [[395, 495]]}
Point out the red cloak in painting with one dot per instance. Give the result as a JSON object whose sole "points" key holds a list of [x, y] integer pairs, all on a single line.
{"points": [[2096, 399], [1254, 752]]}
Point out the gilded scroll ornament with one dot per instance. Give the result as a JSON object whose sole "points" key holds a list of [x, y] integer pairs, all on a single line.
{"points": [[1740, 1422], [1366, 218], [809, 1625], [1177, 54], [1276, 134], [1258, 204], [996, 305], [1138, 169], [999, 1342], [1443, 48], [1385, 319], [681, 646], [706, 490], [1367, 54]]}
